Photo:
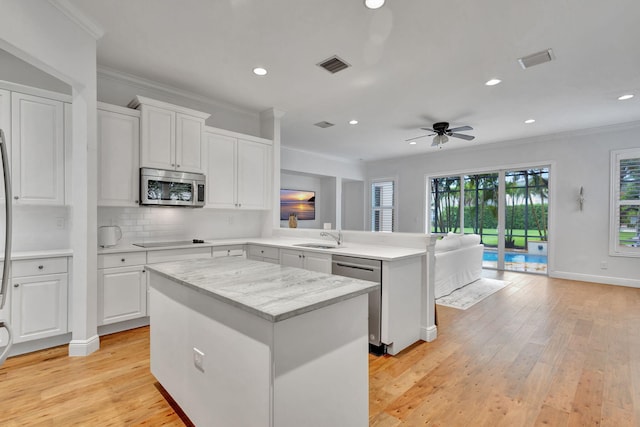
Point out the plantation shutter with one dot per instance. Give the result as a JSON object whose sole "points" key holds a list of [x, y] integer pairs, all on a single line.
{"points": [[382, 206], [625, 227]]}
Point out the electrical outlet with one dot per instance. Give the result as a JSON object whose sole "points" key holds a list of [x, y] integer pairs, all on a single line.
{"points": [[604, 265], [198, 359]]}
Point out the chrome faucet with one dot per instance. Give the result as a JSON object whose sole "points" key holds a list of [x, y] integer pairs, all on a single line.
{"points": [[337, 238]]}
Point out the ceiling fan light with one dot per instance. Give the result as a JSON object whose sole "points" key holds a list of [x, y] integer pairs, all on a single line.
{"points": [[440, 139], [374, 4]]}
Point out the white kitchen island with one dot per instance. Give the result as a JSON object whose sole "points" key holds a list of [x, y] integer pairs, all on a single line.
{"points": [[247, 343]]}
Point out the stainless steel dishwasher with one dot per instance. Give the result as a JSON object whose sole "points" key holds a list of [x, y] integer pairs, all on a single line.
{"points": [[365, 269]]}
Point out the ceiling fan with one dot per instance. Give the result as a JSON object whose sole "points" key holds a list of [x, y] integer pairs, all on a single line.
{"points": [[442, 133]]}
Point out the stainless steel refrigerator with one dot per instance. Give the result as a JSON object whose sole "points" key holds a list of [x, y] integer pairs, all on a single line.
{"points": [[4, 323]]}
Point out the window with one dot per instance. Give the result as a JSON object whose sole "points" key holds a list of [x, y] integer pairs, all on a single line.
{"points": [[624, 229], [383, 205]]}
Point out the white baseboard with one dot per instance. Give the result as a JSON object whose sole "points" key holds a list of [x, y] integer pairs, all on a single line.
{"points": [[429, 333], [606, 280], [84, 347], [114, 328]]}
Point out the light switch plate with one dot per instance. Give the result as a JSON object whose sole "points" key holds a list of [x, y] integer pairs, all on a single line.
{"points": [[198, 359]]}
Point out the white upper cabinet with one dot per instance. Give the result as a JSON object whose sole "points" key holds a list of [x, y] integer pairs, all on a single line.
{"points": [[37, 150], [254, 176], [189, 143], [238, 171], [118, 156], [171, 136], [221, 171]]}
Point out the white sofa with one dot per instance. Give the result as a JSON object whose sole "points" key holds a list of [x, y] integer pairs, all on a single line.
{"points": [[458, 262]]}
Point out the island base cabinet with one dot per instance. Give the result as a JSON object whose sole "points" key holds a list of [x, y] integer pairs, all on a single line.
{"points": [[225, 366]]}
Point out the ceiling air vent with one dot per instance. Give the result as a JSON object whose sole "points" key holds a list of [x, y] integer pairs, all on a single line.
{"points": [[536, 59], [323, 124], [334, 64]]}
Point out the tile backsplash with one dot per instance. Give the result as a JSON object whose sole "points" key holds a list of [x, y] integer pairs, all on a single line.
{"points": [[148, 224]]}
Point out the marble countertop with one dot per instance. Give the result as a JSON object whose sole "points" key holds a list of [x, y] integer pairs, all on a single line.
{"points": [[379, 252], [51, 253], [270, 291]]}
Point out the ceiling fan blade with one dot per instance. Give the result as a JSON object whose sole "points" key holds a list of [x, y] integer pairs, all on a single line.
{"points": [[462, 136], [429, 129], [435, 143], [417, 137], [460, 128]]}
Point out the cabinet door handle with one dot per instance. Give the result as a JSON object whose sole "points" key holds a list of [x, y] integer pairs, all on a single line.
{"points": [[40, 267], [16, 197], [177, 166], [144, 271], [16, 285], [123, 260], [172, 164]]}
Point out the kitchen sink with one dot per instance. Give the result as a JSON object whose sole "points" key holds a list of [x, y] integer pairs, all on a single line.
{"points": [[316, 245]]}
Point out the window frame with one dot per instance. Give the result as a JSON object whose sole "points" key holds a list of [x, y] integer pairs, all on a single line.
{"points": [[394, 207], [615, 249]]}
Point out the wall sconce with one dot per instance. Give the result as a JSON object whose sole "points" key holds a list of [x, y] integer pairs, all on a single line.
{"points": [[581, 197]]}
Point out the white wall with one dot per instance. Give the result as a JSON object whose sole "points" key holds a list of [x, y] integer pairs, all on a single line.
{"points": [[318, 164], [155, 224], [325, 197], [579, 240], [119, 89], [353, 203], [15, 70], [45, 36], [39, 228]]}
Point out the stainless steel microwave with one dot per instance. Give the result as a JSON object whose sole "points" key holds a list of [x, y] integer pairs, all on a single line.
{"points": [[170, 188]]}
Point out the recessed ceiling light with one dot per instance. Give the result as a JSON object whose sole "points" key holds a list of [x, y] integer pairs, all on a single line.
{"points": [[259, 71], [412, 143], [374, 4], [353, 122], [624, 97], [529, 121], [493, 82]]}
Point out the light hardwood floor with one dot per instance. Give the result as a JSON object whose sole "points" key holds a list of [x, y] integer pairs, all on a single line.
{"points": [[539, 352]]}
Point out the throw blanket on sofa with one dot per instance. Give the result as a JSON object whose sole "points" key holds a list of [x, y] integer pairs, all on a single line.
{"points": [[458, 262]]}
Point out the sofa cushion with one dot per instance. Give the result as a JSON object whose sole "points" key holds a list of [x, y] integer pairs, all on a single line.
{"points": [[450, 242], [469, 240]]}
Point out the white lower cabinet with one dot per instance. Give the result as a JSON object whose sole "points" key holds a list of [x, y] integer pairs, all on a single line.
{"points": [[308, 260], [122, 287], [228, 250], [39, 289], [263, 253], [123, 294]]}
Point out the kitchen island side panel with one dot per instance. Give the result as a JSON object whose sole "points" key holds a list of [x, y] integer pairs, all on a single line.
{"points": [[234, 387], [321, 367]]}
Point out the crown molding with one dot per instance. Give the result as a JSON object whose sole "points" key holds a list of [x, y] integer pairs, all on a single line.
{"points": [[121, 76], [79, 18]]}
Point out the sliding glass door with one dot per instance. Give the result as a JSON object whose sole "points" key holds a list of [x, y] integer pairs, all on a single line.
{"points": [[507, 208], [526, 219]]}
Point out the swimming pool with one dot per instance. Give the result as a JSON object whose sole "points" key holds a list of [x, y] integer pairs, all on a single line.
{"points": [[515, 257]]}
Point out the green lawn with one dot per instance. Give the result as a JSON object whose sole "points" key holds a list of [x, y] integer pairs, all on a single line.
{"points": [[490, 236]]}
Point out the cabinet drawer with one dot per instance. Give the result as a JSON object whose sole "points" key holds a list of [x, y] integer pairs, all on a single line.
{"points": [[224, 251], [264, 251], [124, 259], [35, 267], [178, 254]]}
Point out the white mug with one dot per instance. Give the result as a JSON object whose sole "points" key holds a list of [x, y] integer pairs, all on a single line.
{"points": [[108, 235]]}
